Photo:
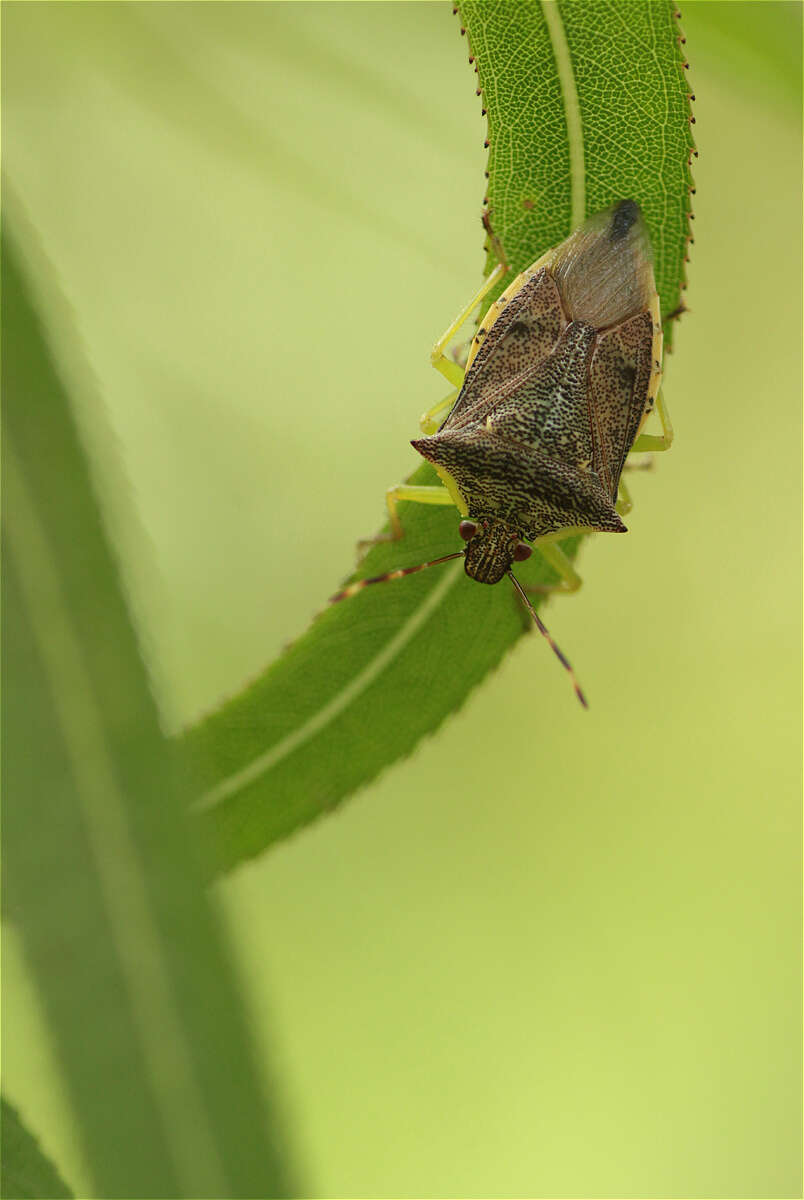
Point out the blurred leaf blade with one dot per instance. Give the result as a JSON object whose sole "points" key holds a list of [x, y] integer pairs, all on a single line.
{"points": [[26, 1172], [100, 878], [377, 673], [758, 43]]}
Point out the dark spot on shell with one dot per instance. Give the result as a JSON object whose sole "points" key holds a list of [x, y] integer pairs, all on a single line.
{"points": [[627, 373], [519, 329], [625, 217]]}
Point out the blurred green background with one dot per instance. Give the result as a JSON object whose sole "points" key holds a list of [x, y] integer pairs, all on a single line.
{"points": [[577, 974]]}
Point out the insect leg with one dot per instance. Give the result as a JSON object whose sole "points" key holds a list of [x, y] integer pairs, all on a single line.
{"points": [[554, 556], [624, 502], [647, 441], [427, 421], [449, 369], [419, 494]]}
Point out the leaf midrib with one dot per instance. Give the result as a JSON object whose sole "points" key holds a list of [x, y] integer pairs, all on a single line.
{"points": [[338, 703], [572, 111]]}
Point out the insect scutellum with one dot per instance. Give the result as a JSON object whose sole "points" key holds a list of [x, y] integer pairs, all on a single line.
{"points": [[562, 373]]}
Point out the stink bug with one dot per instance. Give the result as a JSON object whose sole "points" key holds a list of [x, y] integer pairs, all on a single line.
{"points": [[561, 375]]}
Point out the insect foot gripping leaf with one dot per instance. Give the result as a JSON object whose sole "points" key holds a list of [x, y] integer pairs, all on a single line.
{"points": [[561, 375]]}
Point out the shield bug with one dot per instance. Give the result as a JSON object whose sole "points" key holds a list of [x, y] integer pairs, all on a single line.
{"points": [[561, 375]]}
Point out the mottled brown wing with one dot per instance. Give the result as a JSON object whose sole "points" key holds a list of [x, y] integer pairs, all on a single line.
{"points": [[523, 335], [550, 411], [619, 379]]}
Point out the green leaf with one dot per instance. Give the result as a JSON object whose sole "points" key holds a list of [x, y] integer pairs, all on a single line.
{"points": [[587, 103], [26, 1173], [612, 104], [100, 877]]}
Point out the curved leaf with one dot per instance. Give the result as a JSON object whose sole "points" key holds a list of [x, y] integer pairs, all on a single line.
{"points": [[586, 104], [100, 878]]}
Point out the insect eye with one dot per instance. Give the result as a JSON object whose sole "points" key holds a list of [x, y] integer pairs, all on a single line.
{"points": [[467, 529], [522, 551]]}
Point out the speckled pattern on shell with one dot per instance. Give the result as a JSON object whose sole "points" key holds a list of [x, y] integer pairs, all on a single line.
{"points": [[561, 374]]}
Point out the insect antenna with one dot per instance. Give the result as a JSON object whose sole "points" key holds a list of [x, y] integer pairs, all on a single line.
{"points": [[359, 584], [542, 628]]}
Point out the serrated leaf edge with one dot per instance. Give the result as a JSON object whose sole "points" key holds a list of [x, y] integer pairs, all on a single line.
{"points": [[338, 704]]}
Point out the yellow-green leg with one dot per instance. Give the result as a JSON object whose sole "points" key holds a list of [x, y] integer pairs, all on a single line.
{"points": [[646, 443], [447, 366], [418, 493], [653, 442], [624, 502], [428, 422], [421, 493], [554, 556]]}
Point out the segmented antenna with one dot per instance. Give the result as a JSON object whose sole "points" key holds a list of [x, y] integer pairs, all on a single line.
{"points": [[542, 628], [358, 586]]}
